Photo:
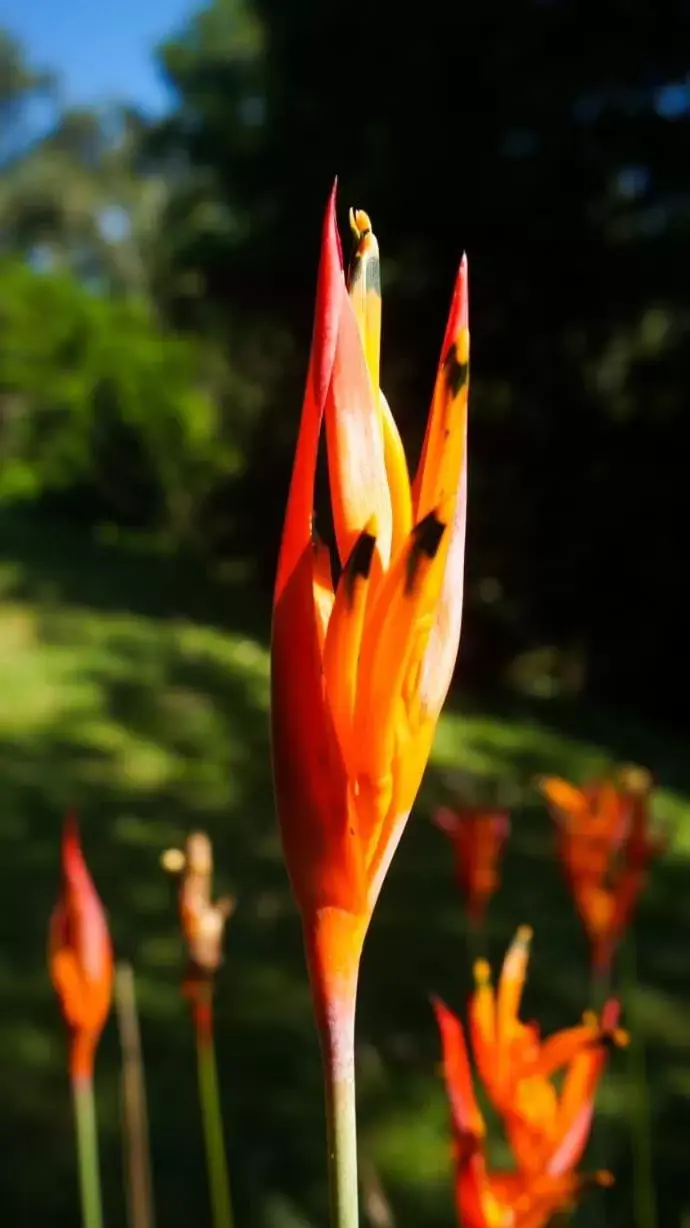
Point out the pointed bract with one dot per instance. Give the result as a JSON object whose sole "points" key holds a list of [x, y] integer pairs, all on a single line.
{"points": [[358, 675], [80, 954]]}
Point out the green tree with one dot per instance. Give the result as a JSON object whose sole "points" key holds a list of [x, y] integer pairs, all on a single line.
{"points": [[96, 396]]}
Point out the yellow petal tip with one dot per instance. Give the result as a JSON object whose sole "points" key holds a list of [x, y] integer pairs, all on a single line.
{"points": [[482, 972], [635, 779], [360, 223]]}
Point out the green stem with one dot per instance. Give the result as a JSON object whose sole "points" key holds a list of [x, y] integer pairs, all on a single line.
{"points": [[643, 1159], [338, 1048], [87, 1151], [209, 1099]]}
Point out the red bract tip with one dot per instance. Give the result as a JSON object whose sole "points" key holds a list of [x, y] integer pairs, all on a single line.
{"points": [[72, 856]]}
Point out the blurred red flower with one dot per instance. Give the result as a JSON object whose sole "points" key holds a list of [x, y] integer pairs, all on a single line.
{"points": [[80, 955], [606, 842], [478, 836]]}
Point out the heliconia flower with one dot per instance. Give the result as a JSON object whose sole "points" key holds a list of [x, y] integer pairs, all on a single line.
{"points": [[202, 921], [361, 667], [485, 1198], [593, 823], [477, 836], [605, 843], [517, 1067], [80, 955]]}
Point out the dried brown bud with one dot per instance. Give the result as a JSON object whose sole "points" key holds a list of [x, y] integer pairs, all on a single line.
{"points": [[202, 920]]}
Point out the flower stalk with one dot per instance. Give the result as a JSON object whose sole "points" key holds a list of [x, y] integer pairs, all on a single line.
{"points": [[212, 1120], [333, 943], [337, 1042], [87, 1151]]}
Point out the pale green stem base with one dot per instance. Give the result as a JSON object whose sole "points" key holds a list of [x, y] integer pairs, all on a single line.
{"points": [[209, 1100], [643, 1159], [338, 1047], [87, 1152]]}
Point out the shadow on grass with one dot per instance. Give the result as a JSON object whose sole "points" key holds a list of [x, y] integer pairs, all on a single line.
{"points": [[138, 692]]}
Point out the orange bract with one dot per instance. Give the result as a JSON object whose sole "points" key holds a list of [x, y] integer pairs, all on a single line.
{"points": [[547, 1129], [80, 954], [478, 836], [360, 670], [605, 843]]}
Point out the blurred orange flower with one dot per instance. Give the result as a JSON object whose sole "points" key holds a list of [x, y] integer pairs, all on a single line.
{"points": [[605, 843], [477, 836], [80, 955], [547, 1129], [361, 667], [517, 1066]]}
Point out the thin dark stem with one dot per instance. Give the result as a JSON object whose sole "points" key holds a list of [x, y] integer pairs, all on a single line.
{"points": [[209, 1100], [134, 1111], [641, 1125]]}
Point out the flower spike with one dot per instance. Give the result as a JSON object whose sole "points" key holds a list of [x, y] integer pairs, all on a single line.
{"points": [[359, 672]]}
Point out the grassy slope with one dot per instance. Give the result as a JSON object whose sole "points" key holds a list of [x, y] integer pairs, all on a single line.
{"points": [[122, 693]]}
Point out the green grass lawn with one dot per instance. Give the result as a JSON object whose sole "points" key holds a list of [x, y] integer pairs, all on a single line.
{"points": [[134, 691]]}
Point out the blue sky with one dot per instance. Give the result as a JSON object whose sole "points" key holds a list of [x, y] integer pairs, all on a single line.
{"points": [[101, 48]]}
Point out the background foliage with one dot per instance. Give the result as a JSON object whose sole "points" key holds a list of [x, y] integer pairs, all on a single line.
{"points": [[536, 136]]}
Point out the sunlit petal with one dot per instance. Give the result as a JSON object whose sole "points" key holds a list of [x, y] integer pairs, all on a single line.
{"points": [[354, 437]]}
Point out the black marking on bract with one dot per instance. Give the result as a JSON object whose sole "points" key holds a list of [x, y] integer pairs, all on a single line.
{"points": [[456, 372], [426, 541], [355, 271], [358, 565], [607, 1040]]}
